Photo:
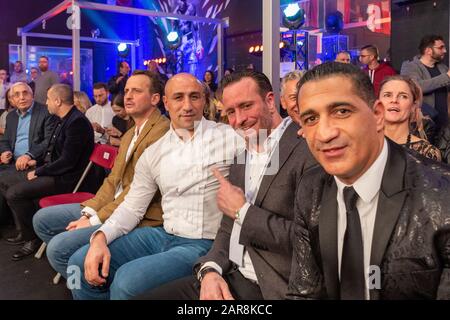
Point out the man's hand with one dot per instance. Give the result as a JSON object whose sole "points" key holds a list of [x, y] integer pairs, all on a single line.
{"points": [[31, 163], [214, 287], [98, 254], [31, 175], [229, 197], [81, 223], [6, 157], [22, 162], [119, 79], [98, 128], [113, 132]]}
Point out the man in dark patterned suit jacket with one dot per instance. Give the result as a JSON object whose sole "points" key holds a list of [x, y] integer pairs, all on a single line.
{"points": [[374, 222]]}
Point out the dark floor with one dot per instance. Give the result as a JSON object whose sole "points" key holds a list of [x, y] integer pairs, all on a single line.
{"points": [[28, 279]]}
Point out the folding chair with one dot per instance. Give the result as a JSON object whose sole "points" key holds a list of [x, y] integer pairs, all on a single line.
{"points": [[103, 156]]}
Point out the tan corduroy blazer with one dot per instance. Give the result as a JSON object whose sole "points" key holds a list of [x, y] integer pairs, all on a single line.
{"points": [[104, 202]]}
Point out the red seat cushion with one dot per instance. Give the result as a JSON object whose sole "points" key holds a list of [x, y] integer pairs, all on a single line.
{"points": [[65, 198]]}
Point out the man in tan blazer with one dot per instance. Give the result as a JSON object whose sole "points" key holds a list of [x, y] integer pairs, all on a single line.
{"points": [[66, 228]]}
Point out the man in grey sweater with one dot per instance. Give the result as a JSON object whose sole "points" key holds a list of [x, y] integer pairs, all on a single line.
{"points": [[44, 81], [432, 75]]}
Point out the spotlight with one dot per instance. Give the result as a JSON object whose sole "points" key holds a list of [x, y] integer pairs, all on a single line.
{"points": [[164, 60], [257, 49], [145, 62], [122, 47], [293, 16], [261, 48], [251, 50], [173, 39]]}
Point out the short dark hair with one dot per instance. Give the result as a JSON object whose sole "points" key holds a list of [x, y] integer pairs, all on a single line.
{"points": [[101, 85], [156, 84], [119, 101], [372, 49], [362, 86], [121, 63], [263, 83], [64, 92], [428, 41], [43, 57]]}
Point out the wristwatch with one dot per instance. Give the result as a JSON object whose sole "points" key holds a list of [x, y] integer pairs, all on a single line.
{"points": [[85, 214], [202, 273]]}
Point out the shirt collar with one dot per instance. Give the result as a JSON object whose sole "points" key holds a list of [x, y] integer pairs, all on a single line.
{"points": [[369, 184], [274, 137], [26, 113], [201, 125], [137, 131]]}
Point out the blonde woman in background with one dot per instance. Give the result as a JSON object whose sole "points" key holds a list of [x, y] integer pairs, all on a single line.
{"points": [[402, 98], [81, 101]]}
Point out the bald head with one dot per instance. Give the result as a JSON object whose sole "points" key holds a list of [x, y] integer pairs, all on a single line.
{"points": [[177, 80], [185, 100]]}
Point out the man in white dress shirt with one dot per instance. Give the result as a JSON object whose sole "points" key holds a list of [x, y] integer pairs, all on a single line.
{"points": [[251, 255], [100, 114], [122, 262]]}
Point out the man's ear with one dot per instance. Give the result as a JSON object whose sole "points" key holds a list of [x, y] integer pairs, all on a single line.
{"points": [[378, 111], [165, 102], [270, 101], [156, 97]]}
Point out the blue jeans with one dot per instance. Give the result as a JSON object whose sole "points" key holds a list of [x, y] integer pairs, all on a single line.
{"points": [[50, 225], [142, 260]]}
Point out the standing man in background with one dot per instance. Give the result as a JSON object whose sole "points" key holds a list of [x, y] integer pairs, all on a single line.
{"points": [[44, 81]]}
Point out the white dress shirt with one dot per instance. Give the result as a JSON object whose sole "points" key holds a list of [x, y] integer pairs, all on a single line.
{"points": [[94, 219], [103, 116], [256, 167], [182, 171], [368, 189]]}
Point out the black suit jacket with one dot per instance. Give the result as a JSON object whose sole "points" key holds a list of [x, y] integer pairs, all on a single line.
{"points": [[267, 231], [411, 237], [73, 144], [41, 127]]}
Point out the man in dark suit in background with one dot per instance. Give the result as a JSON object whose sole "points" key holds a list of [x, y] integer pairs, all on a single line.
{"points": [[251, 255], [28, 130], [374, 222], [66, 156]]}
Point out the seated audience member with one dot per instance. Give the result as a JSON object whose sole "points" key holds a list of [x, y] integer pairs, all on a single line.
{"points": [[123, 261], [210, 108], [228, 71], [66, 228], [27, 130], [66, 156], [100, 115], [153, 67], [18, 74], [443, 144], [401, 98], [373, 222], [81, 101], [251, 255], [116, 84], [288, 94], [9, 106], [4, 86], [26, 135], [344, 57], [34, 73], [210, 80], [121, 122]]}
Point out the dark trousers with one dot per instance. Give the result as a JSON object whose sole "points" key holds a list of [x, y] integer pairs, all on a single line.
{"points": [[23, 195], [5, 213], [188, 288]]}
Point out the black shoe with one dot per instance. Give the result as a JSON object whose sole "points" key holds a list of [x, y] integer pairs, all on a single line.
{"points": [[28, 248], [17, 240]]}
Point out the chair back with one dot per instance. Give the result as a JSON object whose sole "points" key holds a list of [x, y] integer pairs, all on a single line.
{"points": [[104, 155]]}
